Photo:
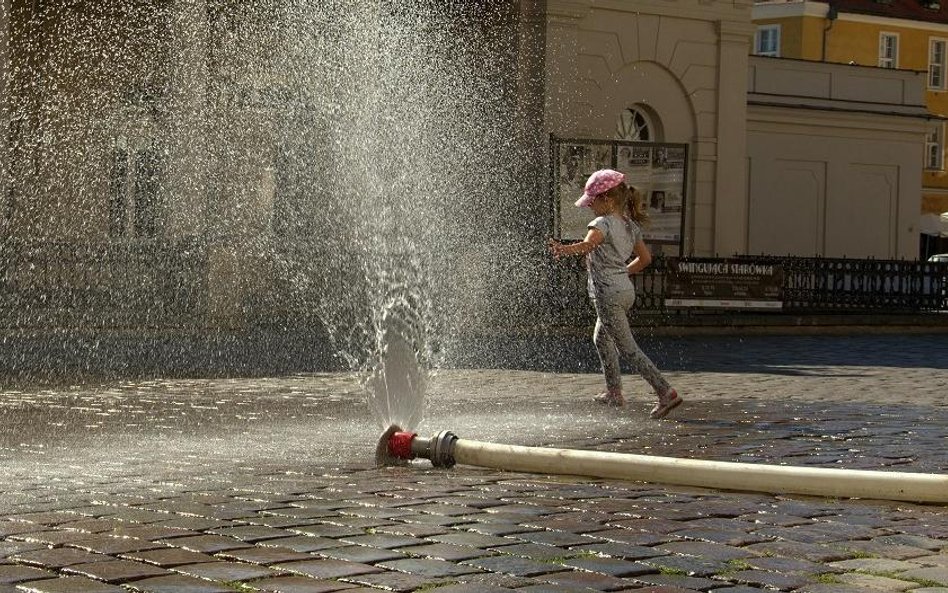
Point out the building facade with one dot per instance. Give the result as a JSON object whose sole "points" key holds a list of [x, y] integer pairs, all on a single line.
{"points": [[197, 133], [901, 34]]}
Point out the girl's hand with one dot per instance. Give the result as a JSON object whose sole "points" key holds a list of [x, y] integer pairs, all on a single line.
{"points": [[556, 248]]}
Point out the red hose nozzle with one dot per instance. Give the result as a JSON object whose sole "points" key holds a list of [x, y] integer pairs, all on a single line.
{"points": [[399, 445]]}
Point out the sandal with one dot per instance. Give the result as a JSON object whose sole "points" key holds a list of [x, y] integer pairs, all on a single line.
{"points": [[610, 398], [666, 404]]}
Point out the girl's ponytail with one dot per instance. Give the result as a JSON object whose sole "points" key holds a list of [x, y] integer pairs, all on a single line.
{"points": [[635, 207]]}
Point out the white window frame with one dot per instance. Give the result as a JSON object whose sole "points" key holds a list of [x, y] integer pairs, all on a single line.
{"points": [[936, 64], [935, 148], [886, 60], [759, 50]]}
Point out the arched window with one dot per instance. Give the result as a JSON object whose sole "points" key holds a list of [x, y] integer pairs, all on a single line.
{"points": [[635, 125]]}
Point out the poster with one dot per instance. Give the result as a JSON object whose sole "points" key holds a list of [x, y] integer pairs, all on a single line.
{"points": [[659, 171], [724, 284]]}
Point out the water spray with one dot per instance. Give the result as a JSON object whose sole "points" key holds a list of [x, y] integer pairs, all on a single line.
{"points": [[444, 450]]}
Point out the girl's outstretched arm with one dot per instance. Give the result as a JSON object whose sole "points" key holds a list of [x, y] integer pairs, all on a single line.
{"points": [[594, 238]]}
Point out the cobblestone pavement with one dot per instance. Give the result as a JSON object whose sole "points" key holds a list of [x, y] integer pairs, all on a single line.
{"points": [[193, 486]]}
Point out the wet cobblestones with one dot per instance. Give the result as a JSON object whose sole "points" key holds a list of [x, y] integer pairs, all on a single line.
{"points": [[230, 485]]}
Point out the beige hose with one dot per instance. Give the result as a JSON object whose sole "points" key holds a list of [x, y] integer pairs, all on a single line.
{"points": [[777, 479]]}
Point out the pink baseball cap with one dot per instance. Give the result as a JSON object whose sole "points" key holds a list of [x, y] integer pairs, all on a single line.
{"points": [[598, 183]]}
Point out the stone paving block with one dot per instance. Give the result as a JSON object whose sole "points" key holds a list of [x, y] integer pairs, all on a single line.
{"points": [[69, 585], [499, 529], [413, 530], [13, 573], [207, 544], [657, 526], [616, 550], [51, 538], [775, 519], [8, 528], [676, 580], [711, 551], [933, 560], [10, 548], [609, 566], [303, 543], [59, 557], [106, 544], [721, 536], [740, 589], [151, 532], [915, 541], [326, 530], [768, 579], [877, 565], [301, 585], [169, 557], [537, 552], [394, 581], [475, 540], [552, 588], [875, 582], [881, 550], [590, 580], [449, 552], [558, 538], [474, 588], [782, 564], [813, 553], [326, 569], [116, 571], [689, 565], [635, 538], [227, 571], [363, 554], [935, 574], [383, 540], [196, 524], [178, 584], [250, 533], [493, 579], [264, 555], [513, 565], [429, 568], [49, 518]]}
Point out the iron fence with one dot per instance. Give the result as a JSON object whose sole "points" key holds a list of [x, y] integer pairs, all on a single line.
{"points": [[811, 285]]}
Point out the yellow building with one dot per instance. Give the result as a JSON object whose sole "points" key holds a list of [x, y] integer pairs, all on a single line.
{"points": [[902, 34]]}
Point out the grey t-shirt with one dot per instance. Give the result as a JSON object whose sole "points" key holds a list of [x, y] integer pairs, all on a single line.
{"points": [[606, 263]]}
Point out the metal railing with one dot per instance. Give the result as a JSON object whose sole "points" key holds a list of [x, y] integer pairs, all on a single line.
{"points": [[811, 285]]}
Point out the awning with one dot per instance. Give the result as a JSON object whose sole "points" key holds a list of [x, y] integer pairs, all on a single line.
{"points": [[934, 224]]}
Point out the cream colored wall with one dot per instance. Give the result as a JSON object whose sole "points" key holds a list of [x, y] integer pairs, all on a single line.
{"points": [[825, 175], [686, 61]]}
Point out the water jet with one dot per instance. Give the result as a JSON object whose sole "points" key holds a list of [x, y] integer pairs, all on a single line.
{"points": [[445, 449]]}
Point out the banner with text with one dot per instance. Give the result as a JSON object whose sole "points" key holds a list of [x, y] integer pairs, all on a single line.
{"points": [[728, 284]]}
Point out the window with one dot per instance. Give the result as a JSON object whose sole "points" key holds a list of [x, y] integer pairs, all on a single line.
{"points": [[934, 159], [634, 125], [888, 50], [767, 41], [936, 64], [134, 184]]}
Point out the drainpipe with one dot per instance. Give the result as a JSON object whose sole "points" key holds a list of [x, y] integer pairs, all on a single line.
{"points": [[831, 14], [446, 449]]}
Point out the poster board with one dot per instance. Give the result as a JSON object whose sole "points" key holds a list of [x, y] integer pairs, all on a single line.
{"points": [[724, 284], [659, 170]]}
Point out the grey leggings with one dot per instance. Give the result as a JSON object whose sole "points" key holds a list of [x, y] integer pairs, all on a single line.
{"points": [[614, 336]]}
